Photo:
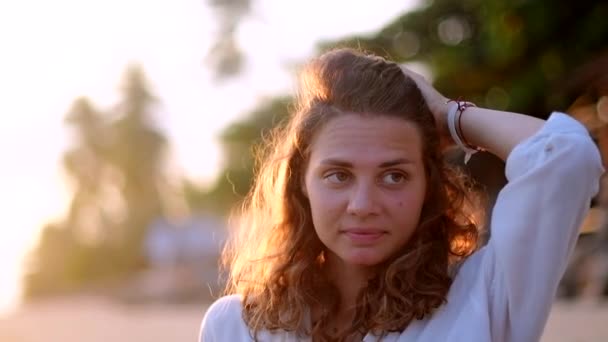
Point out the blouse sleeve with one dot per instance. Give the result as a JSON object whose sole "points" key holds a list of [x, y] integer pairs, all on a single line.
{"points": [[222, 322], [551, 179], [208, 327]]}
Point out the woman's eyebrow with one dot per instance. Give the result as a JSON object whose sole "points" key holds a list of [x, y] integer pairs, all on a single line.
{"points": [[396, 162], [336, 162], [343, 163]]}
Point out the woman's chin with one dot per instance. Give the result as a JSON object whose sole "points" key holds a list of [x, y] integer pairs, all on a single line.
{"points": [[363, 258]]}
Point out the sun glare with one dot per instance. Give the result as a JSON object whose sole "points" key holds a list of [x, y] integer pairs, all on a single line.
{"points": [[56, 51]]}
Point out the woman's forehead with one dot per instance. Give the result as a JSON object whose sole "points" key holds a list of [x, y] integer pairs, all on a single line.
{"points": [[368, 139]]}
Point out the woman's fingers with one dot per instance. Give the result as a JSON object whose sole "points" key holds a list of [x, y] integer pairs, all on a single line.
{"points": [[414, 75], [436, 102]]}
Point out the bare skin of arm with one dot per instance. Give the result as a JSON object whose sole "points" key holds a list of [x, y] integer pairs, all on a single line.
{"points": [[495, 131]]}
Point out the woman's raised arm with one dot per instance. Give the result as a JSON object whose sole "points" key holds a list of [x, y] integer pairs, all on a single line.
{"points": [[495, 131]]}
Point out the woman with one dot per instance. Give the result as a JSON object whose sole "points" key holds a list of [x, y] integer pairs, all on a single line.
{"points": [[357, 230]]}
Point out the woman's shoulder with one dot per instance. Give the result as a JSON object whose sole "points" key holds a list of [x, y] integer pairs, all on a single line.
{"points": [[223, 321], [227, 307]]}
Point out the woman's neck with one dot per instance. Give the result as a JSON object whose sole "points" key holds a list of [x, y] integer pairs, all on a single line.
{"points": [[348, 279]]}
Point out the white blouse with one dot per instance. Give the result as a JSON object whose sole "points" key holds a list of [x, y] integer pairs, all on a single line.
{"points": [[504, 291]]}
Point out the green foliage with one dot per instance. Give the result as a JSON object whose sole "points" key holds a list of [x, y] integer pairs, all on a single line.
{"points": [[512, 55], [116, 170], [238, 141]]}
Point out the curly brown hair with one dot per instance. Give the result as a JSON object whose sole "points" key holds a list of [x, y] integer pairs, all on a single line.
{"points": [[275, 260]]}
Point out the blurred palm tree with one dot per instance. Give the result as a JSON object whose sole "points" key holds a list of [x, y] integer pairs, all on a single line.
{"points": [[116, 167], [225, 56]]}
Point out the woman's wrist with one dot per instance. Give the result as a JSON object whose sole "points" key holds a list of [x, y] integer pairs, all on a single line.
{"points": [[456, 109]]}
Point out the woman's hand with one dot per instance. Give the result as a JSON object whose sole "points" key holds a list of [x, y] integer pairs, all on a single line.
{"points": [[495, 131], [437, 103]]}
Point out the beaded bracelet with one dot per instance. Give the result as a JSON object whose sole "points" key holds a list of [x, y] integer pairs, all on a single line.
{"points": [[453, 119]]}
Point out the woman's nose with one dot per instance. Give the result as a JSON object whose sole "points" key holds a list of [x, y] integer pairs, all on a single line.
{"points": [[362, 200]]}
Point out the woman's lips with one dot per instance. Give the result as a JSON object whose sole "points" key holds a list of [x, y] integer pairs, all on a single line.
{"points": [[364, 236]]}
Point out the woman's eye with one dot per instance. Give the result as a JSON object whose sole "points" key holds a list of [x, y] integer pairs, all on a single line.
{"points": [[337, 177], [394, 178]]}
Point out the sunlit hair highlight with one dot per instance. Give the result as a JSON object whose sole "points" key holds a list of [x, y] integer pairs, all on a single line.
{"points": [[275, 259]]}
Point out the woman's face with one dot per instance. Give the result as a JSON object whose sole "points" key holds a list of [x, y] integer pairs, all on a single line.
{"points": [[366, 184]]}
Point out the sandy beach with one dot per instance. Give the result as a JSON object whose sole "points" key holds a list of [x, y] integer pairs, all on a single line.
{"points": [[94, 319]]}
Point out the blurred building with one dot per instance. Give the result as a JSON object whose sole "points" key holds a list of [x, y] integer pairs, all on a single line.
{"points": [[183, 257]]}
